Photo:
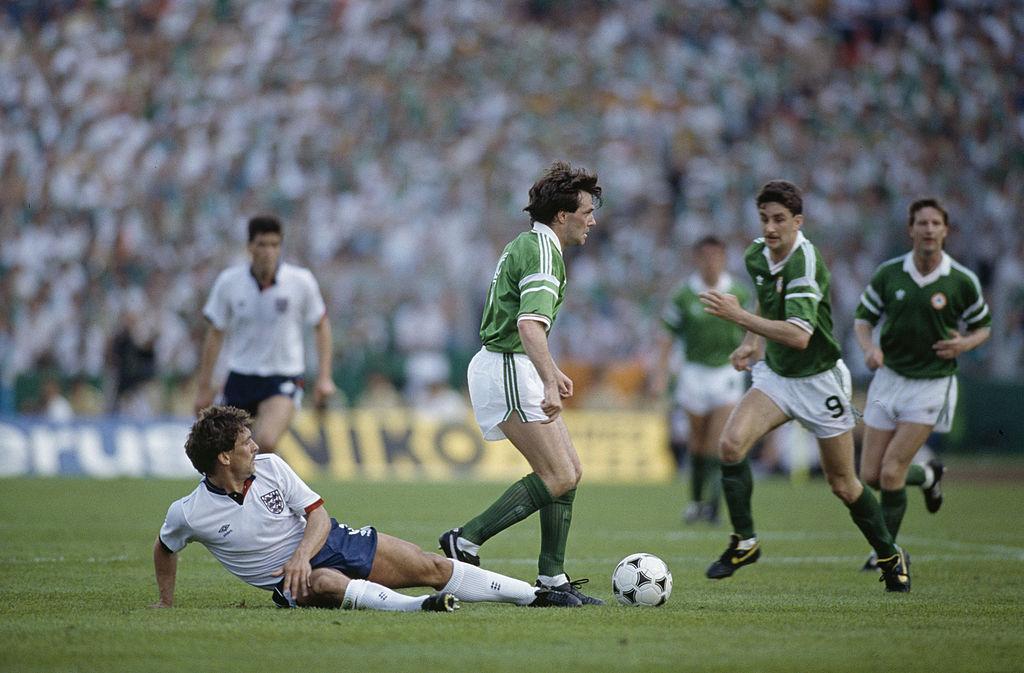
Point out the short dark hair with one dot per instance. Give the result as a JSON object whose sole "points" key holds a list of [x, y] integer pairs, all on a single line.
{"points": [[927, 202], [263, 224], [559, 189], [214, 432], [710, 239], [784, 193]]}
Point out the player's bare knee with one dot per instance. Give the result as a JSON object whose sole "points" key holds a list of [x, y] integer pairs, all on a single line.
{"points": [[729, 449], [844, 488], [893, 477], [439, 570]]}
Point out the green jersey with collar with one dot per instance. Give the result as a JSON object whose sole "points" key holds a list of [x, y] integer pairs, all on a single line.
{"points": [[920, 310], [707, 339], [528, 283], [795, 290]]}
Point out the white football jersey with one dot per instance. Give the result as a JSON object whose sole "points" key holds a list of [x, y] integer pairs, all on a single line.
{"points": [[252, 538], [265, 327]]}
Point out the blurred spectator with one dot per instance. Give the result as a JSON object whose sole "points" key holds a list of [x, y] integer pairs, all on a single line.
{"points": [[136, 136], [56, 407]]}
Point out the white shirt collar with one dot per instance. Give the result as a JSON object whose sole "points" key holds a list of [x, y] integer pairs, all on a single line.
{"points": [[547, 231], [775, 267], [941, 270], [697, 283]]}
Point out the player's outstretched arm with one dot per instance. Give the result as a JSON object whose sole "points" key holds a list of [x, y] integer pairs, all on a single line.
{"points": [[166, 565], [727, 307]]}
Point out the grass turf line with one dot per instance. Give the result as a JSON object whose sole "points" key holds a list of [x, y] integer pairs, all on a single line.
{"points": [[77, 577]]}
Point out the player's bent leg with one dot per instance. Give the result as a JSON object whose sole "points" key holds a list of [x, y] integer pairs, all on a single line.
{"points": [[837, 462], [273, 417], [900, 452], [548, 449], [871, 452], [905, 442], [753, 417], [399, 564]]}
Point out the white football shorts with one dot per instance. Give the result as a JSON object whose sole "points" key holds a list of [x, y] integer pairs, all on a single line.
{"points": [[896, 399], [702, 389], [503, 384], [820, 402]]}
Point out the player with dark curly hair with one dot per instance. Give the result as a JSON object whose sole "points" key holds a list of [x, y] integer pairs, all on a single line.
{"points": [[269, 529], [514, 384]]}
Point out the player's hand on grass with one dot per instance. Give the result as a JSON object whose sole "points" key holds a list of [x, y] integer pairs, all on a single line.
{"points": [[552, 403], [948, 349], [873, 358], [296, 574]]}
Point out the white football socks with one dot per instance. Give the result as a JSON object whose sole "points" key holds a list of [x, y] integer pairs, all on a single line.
{"points": [[553, 580], [472, 584], [929, 477], [365, 595]]}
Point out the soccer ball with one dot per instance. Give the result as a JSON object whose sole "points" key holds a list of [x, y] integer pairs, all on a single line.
{"points": [[642, 579]]}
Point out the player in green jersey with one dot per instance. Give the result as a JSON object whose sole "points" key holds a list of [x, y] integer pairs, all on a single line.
{"points": [[802, 377], [920, 298], [514, 384], [707, 386]]}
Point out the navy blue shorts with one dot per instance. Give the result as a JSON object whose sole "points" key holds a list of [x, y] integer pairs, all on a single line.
{"points": [[246, 391], [348, 550]]}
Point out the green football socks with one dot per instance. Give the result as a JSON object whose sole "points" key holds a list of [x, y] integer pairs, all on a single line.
{"points": [[894, 505], [867, 514], [555, 519], [522, 499], [738, 486]]}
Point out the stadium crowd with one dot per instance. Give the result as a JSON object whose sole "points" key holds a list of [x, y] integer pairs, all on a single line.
{"points": [[397, 140]]}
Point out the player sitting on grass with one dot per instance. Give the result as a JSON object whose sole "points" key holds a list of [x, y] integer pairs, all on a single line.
{"points": [[268, 528]]}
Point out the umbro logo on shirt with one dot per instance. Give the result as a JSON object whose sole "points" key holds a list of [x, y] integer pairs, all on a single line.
{"points": [[225, 530]]}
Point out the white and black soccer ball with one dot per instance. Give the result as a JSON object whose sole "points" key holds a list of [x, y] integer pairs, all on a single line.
{"points": [[642, 579]]}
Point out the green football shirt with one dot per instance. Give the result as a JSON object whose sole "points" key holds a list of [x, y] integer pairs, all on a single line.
{"points": [[920, 310], [528, 282], [707, 339], [795, 290]]}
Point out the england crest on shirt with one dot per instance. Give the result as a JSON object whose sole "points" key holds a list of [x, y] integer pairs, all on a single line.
{"points": [[281, 304], [273, 501]]}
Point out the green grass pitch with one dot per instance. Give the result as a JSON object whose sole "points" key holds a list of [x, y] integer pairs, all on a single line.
{"points": [[77, 578]]}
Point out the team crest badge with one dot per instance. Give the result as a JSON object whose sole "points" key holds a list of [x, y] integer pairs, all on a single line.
{"points": [[281, 304], [938, 301], [273, 501], [900, 294], [759, 279], [778, 285]]}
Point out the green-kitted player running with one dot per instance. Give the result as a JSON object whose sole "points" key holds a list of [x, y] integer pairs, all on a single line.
{"points": [[921, 299], [707, 386], [802, 377]]}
